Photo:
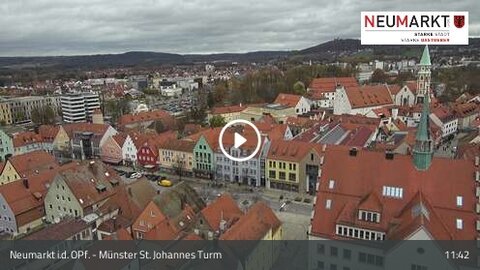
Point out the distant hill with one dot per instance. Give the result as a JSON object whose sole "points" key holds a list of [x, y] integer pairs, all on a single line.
{"points": [[137, 58]]}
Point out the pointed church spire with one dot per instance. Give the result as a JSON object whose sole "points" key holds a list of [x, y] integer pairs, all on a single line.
{"points": [[425, 61], [423, 151]]}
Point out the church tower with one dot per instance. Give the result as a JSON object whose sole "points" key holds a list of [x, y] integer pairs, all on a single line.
{"points": [[423, 77], [423, 149]]}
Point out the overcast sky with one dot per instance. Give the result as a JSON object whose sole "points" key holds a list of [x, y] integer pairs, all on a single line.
{"points": [[67, 27]]}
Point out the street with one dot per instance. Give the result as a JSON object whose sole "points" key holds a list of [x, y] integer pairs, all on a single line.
{"points": [[295, 215]]}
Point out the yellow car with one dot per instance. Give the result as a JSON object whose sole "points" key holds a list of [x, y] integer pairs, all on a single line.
{"points": [[165, 183]]}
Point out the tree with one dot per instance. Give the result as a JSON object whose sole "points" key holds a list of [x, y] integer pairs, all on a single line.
{"points": [[217, 121], [158, 126], [299, 88], [43, 115], [198, 115], [379, 76]]}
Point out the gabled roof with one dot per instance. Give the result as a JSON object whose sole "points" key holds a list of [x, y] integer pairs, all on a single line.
{"points": [[33, 162], [120, 138], [291, 150], [140, 117], [87, 178], [357, 176], [23, 201], [59, 231], [178, 145], [98, 129], [323, 85], [48, 133], [25, 138], [223, 208], [288, 100], [254, 225], [368, 96]]}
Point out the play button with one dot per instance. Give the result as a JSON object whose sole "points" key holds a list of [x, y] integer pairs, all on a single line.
{"points": [[240, 140]]}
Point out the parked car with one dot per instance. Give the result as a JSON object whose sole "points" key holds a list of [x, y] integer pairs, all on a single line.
{"points": [[165, 183], [135, 175]]}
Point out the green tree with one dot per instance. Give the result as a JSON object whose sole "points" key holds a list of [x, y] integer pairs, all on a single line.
{"points": [[158, 126], [299, 88], [217, 121]]}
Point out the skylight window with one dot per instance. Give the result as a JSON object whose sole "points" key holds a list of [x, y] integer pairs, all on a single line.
{"points": [[459, 201], [331, 184], [328, 204], [459, 223]]}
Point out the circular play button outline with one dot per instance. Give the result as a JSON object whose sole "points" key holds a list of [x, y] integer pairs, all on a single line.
{"points": [[240, 121]]}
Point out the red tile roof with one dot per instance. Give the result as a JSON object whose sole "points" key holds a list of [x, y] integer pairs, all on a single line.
{"points": [[25, 138], [85, 127], [324, 85], [84, 179], [291, 150], [48, 133], [120, 138], [357, 177], [33, 162], [162, 115], [368, 96], [254, 225], [288, 100], [27, 203], [223, 208]]}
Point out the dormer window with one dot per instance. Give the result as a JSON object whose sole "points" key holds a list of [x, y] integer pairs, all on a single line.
{"points": [[369, 216]]}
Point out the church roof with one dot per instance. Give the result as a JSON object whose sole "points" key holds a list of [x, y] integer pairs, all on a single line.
{"points": [[425, 61]]}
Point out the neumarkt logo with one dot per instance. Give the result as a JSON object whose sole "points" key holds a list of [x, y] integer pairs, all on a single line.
{"points": [[414, 28]]}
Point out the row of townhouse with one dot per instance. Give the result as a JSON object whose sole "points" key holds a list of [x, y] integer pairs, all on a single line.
{"points": [[75, 140]]}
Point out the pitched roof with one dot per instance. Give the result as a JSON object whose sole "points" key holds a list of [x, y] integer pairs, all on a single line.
{"points": [[162, 115], [33, 162], [288, 100], [25, 138], [223, 208], [178, 145], [23, 201], [85, 127], [59, 231], [357, 176], [324, 85], [163, 231], [291, 150], [120, 138], [87, 178], [254, 225], [48, 132], [368, 96]]}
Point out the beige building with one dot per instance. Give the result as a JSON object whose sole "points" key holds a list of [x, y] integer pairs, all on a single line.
{"points": [[15, 110], [80, 191], [177, 155], [6, 113]]}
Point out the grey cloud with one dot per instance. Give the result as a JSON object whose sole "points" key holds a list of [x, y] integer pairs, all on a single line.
{"points": [[65, 27]]}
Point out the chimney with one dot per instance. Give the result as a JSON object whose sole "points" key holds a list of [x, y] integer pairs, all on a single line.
{"points": [[389, 155], [25, 183], [353, 152], [130, 191]]}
